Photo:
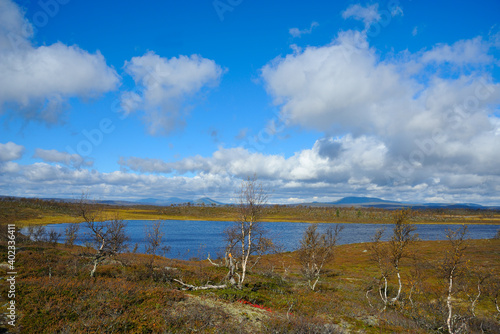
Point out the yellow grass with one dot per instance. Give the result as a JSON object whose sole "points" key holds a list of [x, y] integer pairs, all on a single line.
{"points": [[150, 214]]}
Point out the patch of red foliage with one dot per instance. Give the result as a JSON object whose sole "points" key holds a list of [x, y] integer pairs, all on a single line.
{"points": [[255, 305]]}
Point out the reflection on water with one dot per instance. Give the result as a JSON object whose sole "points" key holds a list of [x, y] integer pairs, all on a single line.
{"points": [[195, 239]]}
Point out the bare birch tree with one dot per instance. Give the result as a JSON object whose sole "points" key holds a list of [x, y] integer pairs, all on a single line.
{"points": [[251, 201], [246, 238], [154, 235], [316, 250], [388, 256], [452, 268], [379, 254], [402, 236], [261, 244]]}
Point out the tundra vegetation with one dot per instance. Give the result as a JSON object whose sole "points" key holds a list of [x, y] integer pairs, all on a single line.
{"points": [[403, 285]]}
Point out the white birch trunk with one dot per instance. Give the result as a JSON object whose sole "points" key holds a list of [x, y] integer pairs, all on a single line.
{"points": [[449, 304], [400, 287]]}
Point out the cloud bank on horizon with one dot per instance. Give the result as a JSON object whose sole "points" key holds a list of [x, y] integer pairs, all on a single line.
{"points": [[402, 123]]}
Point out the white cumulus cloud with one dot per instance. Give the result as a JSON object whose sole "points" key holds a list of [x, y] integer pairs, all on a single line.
{"points": [[339, 85], [36, 82], [471, 51], [419, 121], [70, 160], [329, 160], [10, 151], [164, 84]]}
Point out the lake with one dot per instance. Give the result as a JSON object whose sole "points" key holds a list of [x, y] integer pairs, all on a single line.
{"points": [[195, 239]]}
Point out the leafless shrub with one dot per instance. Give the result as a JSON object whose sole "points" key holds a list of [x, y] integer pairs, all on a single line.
{"points": [[71, 234], [53, 237], [37, 233], [154, 234], [493, 292], [483, 325], [473, 286], [30, 230], [316, 250], [416, 278]]}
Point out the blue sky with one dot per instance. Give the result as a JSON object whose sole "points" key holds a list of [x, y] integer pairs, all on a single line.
{"points": [[391, 99]]}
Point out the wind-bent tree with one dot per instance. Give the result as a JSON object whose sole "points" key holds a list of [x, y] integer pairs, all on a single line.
{"points": [[388, 256], [316, 250], [108, 236]]}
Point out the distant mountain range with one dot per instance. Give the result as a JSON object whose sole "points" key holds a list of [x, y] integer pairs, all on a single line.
{"points": [[144, 201], [361, 202], [372, 202], [166, 201], [367, 202]]}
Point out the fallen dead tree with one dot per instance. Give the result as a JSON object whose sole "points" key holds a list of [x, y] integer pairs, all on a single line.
{"points": [[203, 287]]}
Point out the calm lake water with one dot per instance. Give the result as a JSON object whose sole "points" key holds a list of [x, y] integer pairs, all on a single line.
{"points": [[190, 239]]}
